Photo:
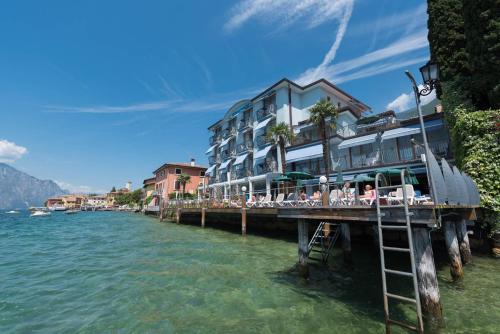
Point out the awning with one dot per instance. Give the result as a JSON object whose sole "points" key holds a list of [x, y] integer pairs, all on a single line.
{"points": [[305, 153], [262, 124], [358, 141], [225, 141], [240, 159], [399, 132], [211, 149], [225, 164], [210, 170], [262, 153], [430, 125]]}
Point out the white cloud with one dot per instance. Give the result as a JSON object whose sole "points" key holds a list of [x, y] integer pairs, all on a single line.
{"points": [[286, 12], [406, 101], [140, 107], [401, 103], [77, 189], [10, 152], [402, 46]]}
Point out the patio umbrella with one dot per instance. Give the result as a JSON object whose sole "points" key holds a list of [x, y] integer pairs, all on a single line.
{"points": [[282, 178], [388, 172], [299, 176]]}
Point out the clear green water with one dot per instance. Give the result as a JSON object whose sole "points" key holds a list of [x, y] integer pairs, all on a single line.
{"points": [[125, 273]]}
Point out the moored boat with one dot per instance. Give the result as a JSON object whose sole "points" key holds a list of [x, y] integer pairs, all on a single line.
{"points": [[39, 213]]}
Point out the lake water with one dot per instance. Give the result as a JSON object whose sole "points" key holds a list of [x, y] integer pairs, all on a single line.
{"points": [[113, 272]]}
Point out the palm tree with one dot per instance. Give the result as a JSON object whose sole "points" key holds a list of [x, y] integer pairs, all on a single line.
{"points": [[281, 135], [183, 179], [318, 116]]}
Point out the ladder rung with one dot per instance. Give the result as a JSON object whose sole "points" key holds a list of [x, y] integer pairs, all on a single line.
{"points": [[403, 298], [393, 227], [398, 272], [396, 249], [402, 324], [392, 206]]}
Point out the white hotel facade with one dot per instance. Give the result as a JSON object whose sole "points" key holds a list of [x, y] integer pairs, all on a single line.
{"points": [[239, 153]]}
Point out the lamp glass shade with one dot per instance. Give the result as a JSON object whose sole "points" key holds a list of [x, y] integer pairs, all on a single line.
{"points": [[323, 179], [434, 71], [244, 189], [430, 72]]}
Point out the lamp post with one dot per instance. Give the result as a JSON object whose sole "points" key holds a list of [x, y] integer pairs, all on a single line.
{"points": [[323, 180], [430, 76], [243, 199]]}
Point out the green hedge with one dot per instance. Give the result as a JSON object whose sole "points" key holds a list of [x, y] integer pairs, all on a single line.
{"points": [[476, 142]]}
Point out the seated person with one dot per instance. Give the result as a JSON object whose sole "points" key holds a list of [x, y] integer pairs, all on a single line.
{"points": [[302, 195], [346, 189], [369, 192], [316, 195]]}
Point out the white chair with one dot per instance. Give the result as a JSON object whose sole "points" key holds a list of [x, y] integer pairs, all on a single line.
{"points": [[291, 200], [279, 201], [336, 197], [267, 201], [398, 198]]}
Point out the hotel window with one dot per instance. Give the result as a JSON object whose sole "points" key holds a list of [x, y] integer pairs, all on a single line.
{"points": [[202, 173], [177, 185], [178, 171]]}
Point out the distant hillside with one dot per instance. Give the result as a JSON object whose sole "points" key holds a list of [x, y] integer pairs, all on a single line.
{"points": [[20, 190]]}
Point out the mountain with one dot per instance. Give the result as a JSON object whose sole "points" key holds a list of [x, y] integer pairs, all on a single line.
{"points": [[20, 190]]}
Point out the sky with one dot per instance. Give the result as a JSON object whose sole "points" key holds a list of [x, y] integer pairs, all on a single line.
{"points": [[97, 93]]}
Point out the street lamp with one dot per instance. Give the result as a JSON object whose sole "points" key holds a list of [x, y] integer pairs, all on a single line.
{"points": [[430, 76], [323, 181]]}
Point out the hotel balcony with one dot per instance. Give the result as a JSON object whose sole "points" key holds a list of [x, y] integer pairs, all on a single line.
{"points": [[215, 139], [244, 147], [245, 124], [214, 160], [243, 172], [262, 141], [229, 153], [229, 132], [269, 111], [267, 167]]}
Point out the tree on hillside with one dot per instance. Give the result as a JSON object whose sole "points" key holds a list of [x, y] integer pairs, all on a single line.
{"points": [[324, 115], [447, 41], [183, 179], [482, 32], [280, 135]]}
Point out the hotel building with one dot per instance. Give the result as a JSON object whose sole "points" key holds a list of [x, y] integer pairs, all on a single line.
{"points": [[239, 153]]}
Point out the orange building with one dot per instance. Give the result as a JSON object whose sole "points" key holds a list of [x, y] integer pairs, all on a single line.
{"points": [[166, 178]]}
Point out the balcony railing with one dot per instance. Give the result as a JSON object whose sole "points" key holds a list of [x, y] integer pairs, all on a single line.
{"points": [[229, 132], [228, 154], [351, 130], [214, 160], [262, 113], [262, 141], [215, 139], [244, 147], [268, 167], [245, 123], [243, 172]]}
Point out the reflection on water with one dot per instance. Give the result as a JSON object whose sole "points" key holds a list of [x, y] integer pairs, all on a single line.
{"points": [[113, 272]]}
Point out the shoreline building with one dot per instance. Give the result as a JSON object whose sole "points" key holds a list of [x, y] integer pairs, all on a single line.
{"points": [[166, 178], [239, 153]]}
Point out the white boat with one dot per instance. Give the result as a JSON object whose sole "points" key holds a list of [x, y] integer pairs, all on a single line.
{"points": [[70, 212], [12, 211], [58, 208], [40, 214]]}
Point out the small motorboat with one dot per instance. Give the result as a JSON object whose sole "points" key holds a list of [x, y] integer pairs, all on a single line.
{"points": [[39, 213], [12, 211], [71, 212]]}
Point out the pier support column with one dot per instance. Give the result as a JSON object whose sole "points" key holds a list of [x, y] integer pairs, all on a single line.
{"points": [[450, 237], [243, 221], [345, 231], [203, 210], [428, 288], [463, 241], [178, 216], [303, 231]]}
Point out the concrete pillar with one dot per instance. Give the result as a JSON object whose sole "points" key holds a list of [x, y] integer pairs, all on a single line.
{"points": [[428, 288], [450, 237], [463, 241], [203, 213], [303, 248], [250, 189], [178, 216], [268, 185], [243, 221], [345, 232]]}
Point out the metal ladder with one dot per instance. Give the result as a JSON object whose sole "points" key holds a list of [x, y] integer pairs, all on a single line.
{"points": [[324, 242], [419, 328]]}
